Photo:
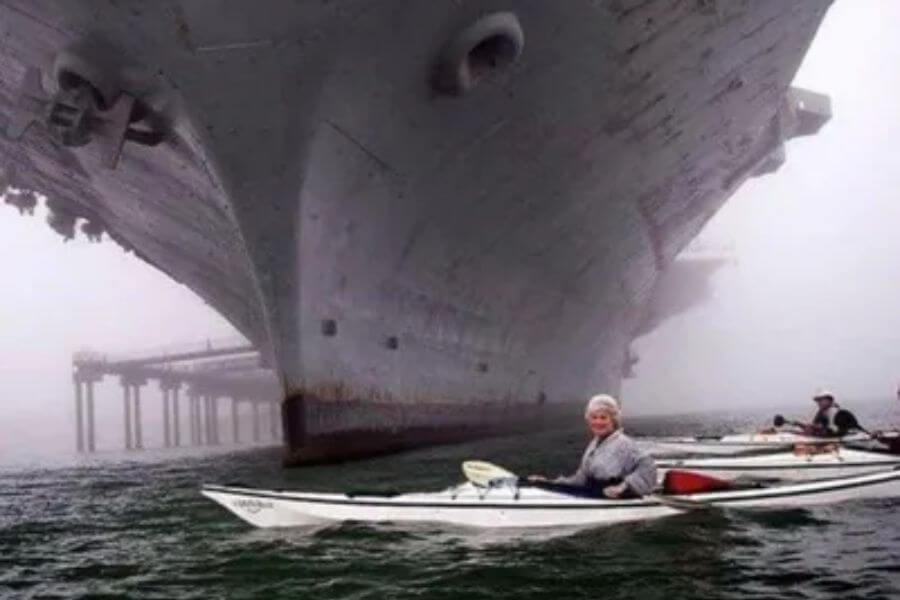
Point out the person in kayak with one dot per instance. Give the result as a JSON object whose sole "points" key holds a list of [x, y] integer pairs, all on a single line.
{"points": [[612, 465], [830, 419], [823, 421]]}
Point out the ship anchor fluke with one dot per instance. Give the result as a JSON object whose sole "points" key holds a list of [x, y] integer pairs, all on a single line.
{"points": [[78, 113]]}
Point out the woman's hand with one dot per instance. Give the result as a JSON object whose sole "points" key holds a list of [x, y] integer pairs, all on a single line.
{"points": [[615, 491]]}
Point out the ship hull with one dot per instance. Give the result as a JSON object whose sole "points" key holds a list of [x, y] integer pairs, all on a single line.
{"points": [[405, 243]]}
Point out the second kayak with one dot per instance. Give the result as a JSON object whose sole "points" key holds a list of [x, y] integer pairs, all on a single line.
{"points": [[814, 462], [740, 442]]}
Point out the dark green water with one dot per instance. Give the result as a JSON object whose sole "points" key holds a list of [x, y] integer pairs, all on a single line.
{"points": [[134, 526]]}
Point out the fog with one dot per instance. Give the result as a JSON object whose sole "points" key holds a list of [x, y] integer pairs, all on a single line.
{"points": [[62, 297], [810, 297]]}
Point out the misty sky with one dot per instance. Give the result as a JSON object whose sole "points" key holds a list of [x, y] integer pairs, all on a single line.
{"points": [[812, 297]]}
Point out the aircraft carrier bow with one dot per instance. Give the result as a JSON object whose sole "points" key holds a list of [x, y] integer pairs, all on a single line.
{"points": [[435, 219]]}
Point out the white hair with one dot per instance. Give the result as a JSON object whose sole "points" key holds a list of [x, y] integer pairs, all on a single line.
{"points": [[607, 404]]}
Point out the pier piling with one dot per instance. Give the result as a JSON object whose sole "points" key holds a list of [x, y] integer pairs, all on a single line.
{"points": [[255, 422], [91, 441], [235, 424], [138, 429], [167, 436], [209, 374], [176, 420], [126, 411], [79, 419], [274, 414]]}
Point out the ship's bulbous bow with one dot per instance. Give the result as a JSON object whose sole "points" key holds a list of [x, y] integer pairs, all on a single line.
{"points": [[439, 219]]}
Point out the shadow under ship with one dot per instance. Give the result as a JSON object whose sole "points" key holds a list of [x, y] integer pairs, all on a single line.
{"points": [[437, 220]]}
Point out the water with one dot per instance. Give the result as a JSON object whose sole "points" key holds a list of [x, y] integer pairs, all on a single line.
{"points": [[134, 526]]}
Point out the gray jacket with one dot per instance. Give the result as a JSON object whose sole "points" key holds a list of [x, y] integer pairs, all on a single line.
{"points": [[617, 456]]}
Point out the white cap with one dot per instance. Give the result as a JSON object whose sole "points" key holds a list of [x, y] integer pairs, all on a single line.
{"points": [[604, 402], [823, 393]]}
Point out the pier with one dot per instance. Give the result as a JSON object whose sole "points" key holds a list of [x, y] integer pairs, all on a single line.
{"points": [[205, 375]]}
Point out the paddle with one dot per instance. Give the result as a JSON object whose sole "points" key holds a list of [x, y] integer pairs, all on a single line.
{"points": [[485, 474], [780, 421], [844, 420]]}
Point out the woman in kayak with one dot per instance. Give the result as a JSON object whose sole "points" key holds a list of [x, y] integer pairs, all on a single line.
{"points": [[612, 466]]}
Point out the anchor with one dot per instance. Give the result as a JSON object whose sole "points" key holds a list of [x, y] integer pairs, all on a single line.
{"points": [[77, 114]]}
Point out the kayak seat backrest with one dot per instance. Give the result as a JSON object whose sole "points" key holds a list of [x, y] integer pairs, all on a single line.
{"points": [[689, 482]]}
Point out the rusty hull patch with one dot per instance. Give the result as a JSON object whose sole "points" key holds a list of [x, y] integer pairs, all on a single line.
{"points": [[329, 424]]}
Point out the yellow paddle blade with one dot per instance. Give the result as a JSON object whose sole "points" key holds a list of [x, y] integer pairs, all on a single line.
{"points": [[481, 472]]}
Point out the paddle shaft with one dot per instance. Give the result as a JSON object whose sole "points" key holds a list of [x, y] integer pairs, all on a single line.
{"points": [[854, 424]]}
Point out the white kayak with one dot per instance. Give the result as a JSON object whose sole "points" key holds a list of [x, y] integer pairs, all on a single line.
{"points": [[510, 506], [789, 466], [741, 442]]}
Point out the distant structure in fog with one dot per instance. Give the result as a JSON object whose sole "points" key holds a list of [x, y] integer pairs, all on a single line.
{"points": [[208, 372]]}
